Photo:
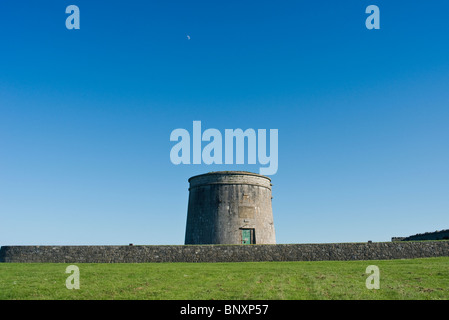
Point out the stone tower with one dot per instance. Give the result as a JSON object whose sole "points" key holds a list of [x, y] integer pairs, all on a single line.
{"points": [[230, 207]]}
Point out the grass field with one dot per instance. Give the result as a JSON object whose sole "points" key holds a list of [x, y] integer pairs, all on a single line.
{"points": [[399, 279]]}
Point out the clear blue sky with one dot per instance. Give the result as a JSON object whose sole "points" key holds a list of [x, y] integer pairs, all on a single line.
{"points": [[86, 115]]}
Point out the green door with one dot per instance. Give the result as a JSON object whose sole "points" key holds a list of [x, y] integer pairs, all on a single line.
{"points": [[246, 236]]}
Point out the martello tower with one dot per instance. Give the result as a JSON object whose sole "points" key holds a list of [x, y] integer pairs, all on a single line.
{"points": [[230, 207]]}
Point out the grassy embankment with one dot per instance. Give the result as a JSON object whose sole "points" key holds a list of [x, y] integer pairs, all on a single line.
{"points": [[399, 279]]}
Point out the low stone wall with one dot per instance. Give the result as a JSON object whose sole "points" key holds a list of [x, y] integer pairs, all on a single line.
{"points": [[225, 253]]}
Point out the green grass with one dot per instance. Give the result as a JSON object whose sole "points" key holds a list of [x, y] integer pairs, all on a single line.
{"points": [[399, 279]]}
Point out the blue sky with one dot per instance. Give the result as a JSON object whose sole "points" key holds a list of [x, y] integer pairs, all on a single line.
{"points": [[86, 115]]}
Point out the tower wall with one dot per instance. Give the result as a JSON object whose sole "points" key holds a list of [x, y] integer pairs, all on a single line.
{"points": [[230, 207]]}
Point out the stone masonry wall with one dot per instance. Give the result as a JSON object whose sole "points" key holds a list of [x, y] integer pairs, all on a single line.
{"points": [[224, 253]]}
